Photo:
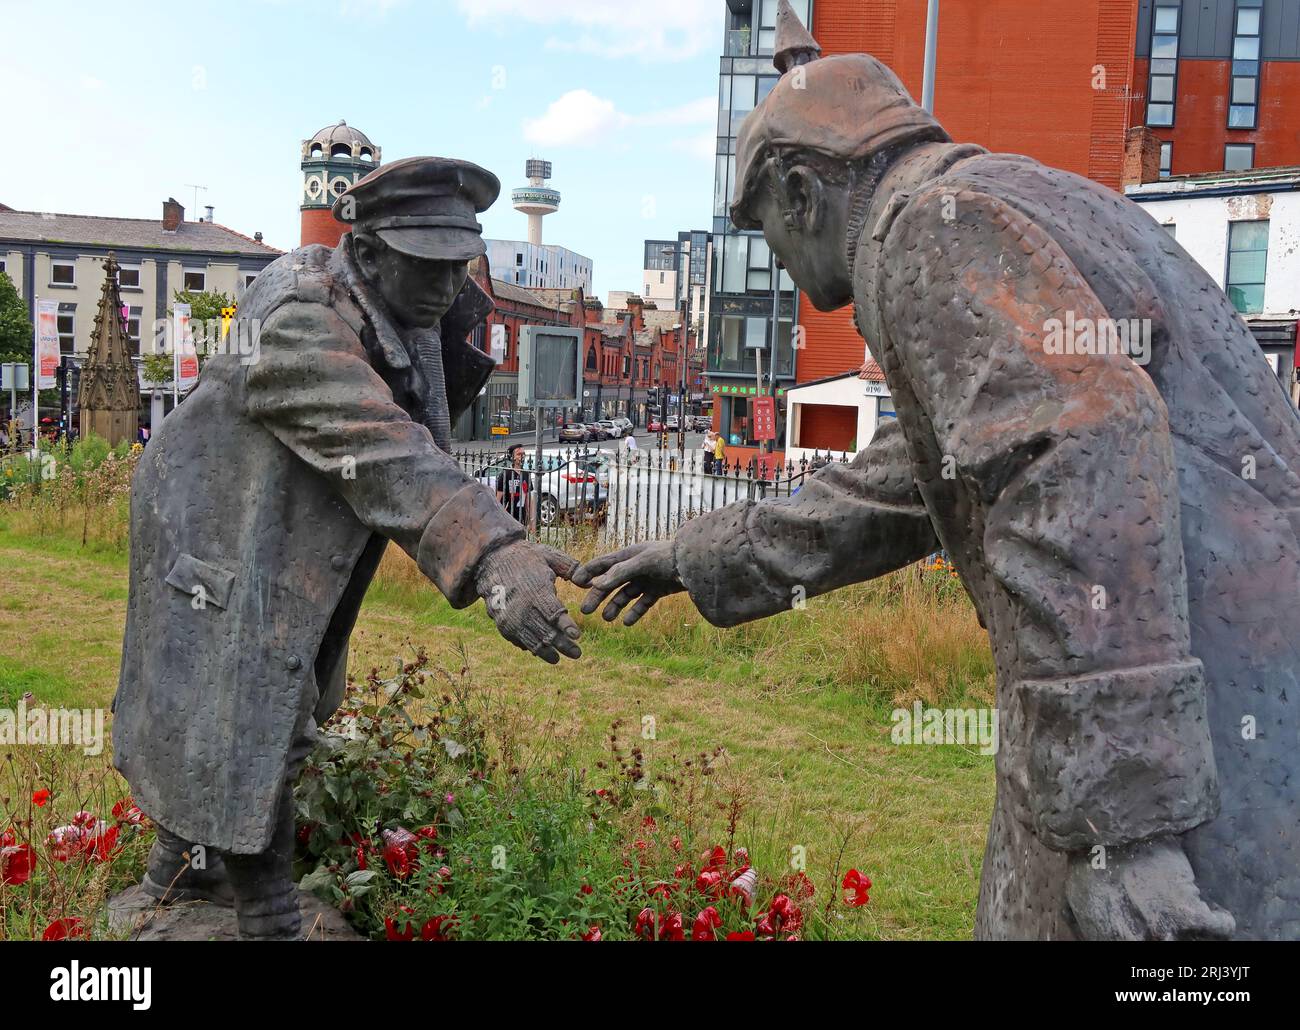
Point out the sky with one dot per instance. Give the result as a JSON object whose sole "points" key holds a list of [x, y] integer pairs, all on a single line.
{"points": [[115, 107]]}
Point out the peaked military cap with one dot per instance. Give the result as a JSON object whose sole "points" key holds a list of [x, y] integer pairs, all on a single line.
{"points": [[423, 206]]}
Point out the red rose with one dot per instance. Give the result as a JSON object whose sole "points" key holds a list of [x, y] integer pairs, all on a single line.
{"points": [[16, 863], [101, 847], [64, 929], [645, 925], [670, 927], [705, 924], [855, 888], [438, 928], [399, 928], [125, 811]]}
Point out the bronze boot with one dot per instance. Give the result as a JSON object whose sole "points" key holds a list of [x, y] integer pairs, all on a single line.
{"points": [[171, 877]]}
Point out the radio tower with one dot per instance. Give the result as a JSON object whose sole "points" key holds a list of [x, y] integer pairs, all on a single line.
{"points": [[536, 200]]}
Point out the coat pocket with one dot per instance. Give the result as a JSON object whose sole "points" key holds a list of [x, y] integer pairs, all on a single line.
{"points": [[206, 583]]}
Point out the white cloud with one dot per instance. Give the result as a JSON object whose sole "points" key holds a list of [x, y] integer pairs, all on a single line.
{"points": [[666, 30], [579, 118]]}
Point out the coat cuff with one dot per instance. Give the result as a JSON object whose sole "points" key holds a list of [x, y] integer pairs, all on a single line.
{"points": [[1119, 757], [716, 563], [460, 533]]}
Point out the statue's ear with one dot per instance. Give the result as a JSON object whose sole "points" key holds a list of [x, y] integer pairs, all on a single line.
{"points": [[804, 198]]}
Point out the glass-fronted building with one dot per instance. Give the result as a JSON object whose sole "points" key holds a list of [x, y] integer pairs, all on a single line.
{"points": [[753, 305]]}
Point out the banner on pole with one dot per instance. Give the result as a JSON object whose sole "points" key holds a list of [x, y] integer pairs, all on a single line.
{"points": [[47, 344], [186, 360], [764, 418]]}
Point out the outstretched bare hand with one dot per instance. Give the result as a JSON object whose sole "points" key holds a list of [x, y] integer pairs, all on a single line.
{"points": [[642, 573]]}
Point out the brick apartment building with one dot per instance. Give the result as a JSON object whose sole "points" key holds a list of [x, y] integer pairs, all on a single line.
{"points": [[1063, 81]]}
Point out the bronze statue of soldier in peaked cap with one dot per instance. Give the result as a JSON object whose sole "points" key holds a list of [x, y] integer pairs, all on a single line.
{"points": [[1127, 522], [261, 509]]}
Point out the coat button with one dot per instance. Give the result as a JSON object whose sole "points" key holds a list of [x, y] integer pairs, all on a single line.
{"points": [[293, 662], [339, 562]]}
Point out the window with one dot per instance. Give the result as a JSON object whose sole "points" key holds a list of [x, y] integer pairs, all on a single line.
{"points": [[1238, 157], [1243, 106], [67, 326], [759, 278], [735, 256], [755, 333], [2, 265], [128, 277], [1166, 160], [133, 326], [1247, 263], [195, 281], [1162, 83], [248, 279], [62, 273]]}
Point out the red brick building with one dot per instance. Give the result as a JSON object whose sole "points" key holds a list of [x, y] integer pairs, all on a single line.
{"points": [[630, 357], [1068, 82]]}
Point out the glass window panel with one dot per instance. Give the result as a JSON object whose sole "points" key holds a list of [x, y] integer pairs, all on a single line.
{"points": [[766, 41], [1162, 89], [1245, 48], [1251, 235], [1160, 114], [1243, 91], [1246, 267], [759, 281], [731, 340], [1165, 67], [1249, 300], [734, 255], [765, 84], [760, 255], [787, 284], [1238, 158], [1164, 47], [1241, 118], [1248, 22], [769, 14], [1166, 19], [755, 333], [1245, 68]]}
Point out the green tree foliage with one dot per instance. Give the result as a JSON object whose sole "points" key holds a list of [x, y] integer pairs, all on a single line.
{"points": [[15, 327]]}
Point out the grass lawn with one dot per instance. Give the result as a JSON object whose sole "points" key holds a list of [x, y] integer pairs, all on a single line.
{"points": [[800, 703]]}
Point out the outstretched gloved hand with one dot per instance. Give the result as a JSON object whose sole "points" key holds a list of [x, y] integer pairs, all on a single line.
{"points": [[517, 582]]}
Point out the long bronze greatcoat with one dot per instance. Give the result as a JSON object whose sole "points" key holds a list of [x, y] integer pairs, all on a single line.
{"points": [[1066, 473], [259, 513]]}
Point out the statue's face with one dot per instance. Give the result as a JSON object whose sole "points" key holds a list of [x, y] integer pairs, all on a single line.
{"points": [[805, 221], [416, 291]]}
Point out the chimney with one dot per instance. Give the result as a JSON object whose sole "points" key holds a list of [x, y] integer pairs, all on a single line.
{"points": [[637, 307], [173, 214], [208, 219], [1141, 157]]}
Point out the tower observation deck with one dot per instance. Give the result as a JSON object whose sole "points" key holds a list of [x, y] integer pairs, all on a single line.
{"points": [[536, 200]]}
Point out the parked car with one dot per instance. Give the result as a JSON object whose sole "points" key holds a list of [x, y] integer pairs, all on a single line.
{"points": [[613, 430], [625, 423], [701, 423], [573, 486], [655, 425], [673, 423], [576, 432]]}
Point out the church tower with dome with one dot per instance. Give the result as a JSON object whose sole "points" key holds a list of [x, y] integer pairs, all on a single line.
{"points": [[332, 160]]}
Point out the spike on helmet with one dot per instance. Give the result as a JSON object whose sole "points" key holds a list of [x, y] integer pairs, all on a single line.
{"points": [[846, 107], [794, 43]]}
